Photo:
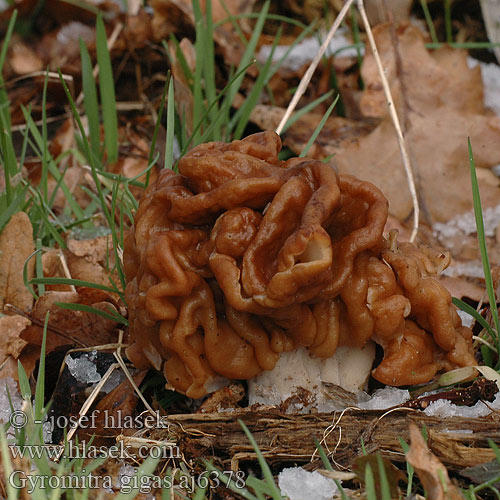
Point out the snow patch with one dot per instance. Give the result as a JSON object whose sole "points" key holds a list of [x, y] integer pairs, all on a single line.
{"points": [[304, 51], [8, 384], [466, 224], [299, 484], [84, 368], [445, 408], [382, 399]]}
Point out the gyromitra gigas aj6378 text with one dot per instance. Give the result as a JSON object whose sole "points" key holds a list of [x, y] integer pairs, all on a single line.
{"points": [[240, 257]]}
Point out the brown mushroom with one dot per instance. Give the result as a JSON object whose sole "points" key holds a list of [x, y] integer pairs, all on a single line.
{"points": [[240, 257]]}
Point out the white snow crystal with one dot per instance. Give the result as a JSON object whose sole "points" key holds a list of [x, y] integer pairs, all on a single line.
{"points": [[465, 317], [382, 399], [83, 368], [445, 408], [466, 223], [8, 383], [472, 269], [491, 81], [298, 484], [126, 471], [305, 51], [115, 379]]}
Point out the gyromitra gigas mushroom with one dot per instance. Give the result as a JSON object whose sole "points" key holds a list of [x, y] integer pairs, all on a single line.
{"points": [[240, 257]]}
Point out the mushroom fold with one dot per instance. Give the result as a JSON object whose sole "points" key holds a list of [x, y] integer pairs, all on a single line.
{"points": [[240, 257]]}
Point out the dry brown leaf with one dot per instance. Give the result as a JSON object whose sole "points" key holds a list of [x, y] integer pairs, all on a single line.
{"points": [[24, 59], [398, 10], [82, 269], [430, 470], [68, 326], [443, 105], [183, 94], [9, 369], [11, 344], [59, 48], [16, 245], [221, 9], [463, 287], [336, 135], [95, 250], [172, 16], [118, 405], [52, 267]]}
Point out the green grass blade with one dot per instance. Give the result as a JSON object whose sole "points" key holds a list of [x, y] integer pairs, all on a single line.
{"points": [[478, 212], [308, 107], [266, 471], [209, 67], [198, 98], [4, 111], [51, 166], [371, 492], [40, 381], [249, 52], [145, 469], [200, 492], [15, 205], [410, 471], [385, 489], [322, 455], [74, 282], [90, 100], [319, 128], [12, 491], [463, 45], [495, 449], [447, 21], [107, 91], [357, 39], [169, 143], [475, 314], [179, 57], [187, 142], [151, 157], [100, 192], [307, 31], [85, 308], [270, 17], [24, 383], [428, 19], [8, 155], [242, 116]]}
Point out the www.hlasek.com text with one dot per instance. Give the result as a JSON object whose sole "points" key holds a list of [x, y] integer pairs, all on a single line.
{"points": [[82, 450]]}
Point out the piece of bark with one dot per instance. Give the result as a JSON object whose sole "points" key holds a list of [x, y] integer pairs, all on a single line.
{"points": [[458, 442]]}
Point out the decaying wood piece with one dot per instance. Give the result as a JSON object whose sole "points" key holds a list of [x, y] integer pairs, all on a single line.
{"points": [[458, 442]]}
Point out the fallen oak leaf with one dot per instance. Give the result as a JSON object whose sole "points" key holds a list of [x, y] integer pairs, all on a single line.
{"points": [[11, 344], [115, 409], [81, 327], [430, 470], [95, 250], [10, 341], [16, 245], [441, 101]]}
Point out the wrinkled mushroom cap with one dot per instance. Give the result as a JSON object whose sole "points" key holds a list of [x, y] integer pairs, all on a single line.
{"points": [[240, 257]]}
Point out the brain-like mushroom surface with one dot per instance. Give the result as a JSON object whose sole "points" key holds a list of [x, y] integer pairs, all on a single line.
{"points": [[240, 257]]}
